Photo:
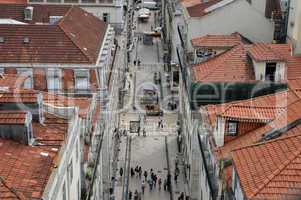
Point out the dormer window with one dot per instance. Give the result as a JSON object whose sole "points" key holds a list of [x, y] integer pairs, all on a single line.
{"points": [[270, 71], [232, 128]]}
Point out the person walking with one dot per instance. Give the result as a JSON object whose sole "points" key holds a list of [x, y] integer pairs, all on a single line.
{"points": [[150, 182], [145, 175], [136, 195], [176, 178], [144, 132], [132, 172], [155, 180], [181, 197], [130, 195], [159, 183], [143, 186], [165, 184], [140, 172], [121, 171]]}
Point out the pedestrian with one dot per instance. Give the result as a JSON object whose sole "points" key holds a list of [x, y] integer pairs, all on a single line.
{"points": [[159, 123], [151, 170], [140, 172], [187, 197], [132, 172], [165, 184], [181, 197], [136, 195], [139, 62], [121, 171], [143, 186], [150, 182], [145, 175], [136, 169], [159, 183], [177, 170], [130, 195], [155, 180], [144, 132], [176, 178], [139, 131]]}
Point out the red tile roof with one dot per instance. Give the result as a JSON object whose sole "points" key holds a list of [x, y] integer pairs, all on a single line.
{"points": [[264, 52], [24, 169], [13, 1], [18, 95], [252, 113], [79, 33], [12, 117], [230, 66], [196, 8], [294, 67], [285, 99], [224, 41], [233, 64], [271, 170]]}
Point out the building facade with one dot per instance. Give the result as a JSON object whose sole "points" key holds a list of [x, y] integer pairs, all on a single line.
{"points": [[294, 25]]}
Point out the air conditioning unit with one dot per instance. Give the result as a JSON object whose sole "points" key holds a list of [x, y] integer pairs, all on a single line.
{"points": [[28, 13]]}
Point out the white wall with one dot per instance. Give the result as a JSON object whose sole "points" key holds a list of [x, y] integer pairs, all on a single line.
{"points": [[236, 186], [260, 68], [219, 133], [115, 12], [237, 16], [294, 25]]}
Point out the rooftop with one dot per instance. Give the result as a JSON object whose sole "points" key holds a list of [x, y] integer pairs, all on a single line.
{"points": [[233, 65], [277, 165], [223, 41], [25, 169], [78, 32], [197, 8]]}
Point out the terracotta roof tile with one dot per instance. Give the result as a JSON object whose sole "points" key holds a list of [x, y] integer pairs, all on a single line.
{"points": [[196, 8], [252, 113], [271, 170], [18, 95], [79, 33], [24, 169], [265, 52], [294, 67], [12, 117], [285, 99], [224, 41], [233, 64], [13, 1]]}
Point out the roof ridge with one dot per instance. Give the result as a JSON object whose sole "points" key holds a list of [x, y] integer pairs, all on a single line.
{"points": [[277, 171], [59, 25]]}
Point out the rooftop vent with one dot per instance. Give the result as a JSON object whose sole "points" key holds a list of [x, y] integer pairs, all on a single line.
{"points": [[28, 13], [1, 39], [26, 40]]}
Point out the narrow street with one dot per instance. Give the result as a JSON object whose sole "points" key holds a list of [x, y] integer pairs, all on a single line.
{"points": [[158, 149]]}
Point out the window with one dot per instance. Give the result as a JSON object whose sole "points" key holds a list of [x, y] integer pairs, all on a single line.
{"points": [[70, 172], [28, 73], [232, 128], [64, 192], [54, 79], [106, 17], [82, 79], [88, 1], [54, 1], [1, 70], [71, 1], [270, 71]]}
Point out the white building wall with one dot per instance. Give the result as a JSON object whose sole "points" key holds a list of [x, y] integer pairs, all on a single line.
{"points": [[294, 25], [238, 16], [219, 133], [260, 70], [236, 186]]}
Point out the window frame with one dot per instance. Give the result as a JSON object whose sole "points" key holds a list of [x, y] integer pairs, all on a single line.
{"points": [[54, 73], [78, 75], [232, 128]]}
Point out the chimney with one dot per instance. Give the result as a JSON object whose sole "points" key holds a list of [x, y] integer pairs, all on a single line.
{"points": [[16, 126]]}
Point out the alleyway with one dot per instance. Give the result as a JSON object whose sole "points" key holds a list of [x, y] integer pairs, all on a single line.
{"points": [[149, 152]]}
